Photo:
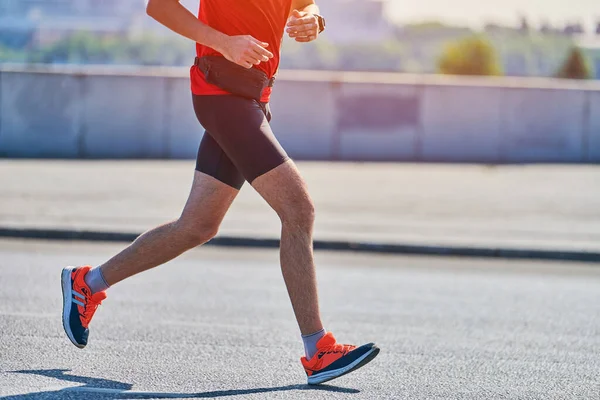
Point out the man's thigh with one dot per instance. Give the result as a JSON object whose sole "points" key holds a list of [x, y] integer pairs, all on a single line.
{"points": [[213, 161], [208, 201], [240, 127]]}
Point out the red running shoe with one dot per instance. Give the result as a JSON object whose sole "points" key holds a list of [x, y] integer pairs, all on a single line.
{"points": [[79, 305], [333, 360]]}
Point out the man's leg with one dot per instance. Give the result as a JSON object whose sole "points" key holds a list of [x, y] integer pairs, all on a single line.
{"points": [[84, 288], [199, 222], [241, 128], [286, 192]]}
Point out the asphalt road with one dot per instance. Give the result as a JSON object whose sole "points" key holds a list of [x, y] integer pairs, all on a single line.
{"points": [[217, 323]]}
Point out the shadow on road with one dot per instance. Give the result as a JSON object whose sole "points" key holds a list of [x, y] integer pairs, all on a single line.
{"points": [[95, 388]]}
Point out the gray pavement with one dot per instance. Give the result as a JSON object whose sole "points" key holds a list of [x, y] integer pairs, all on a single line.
{"points": [[217, 323], [547, 207]]}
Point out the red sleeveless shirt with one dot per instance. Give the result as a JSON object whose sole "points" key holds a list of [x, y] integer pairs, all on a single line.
{"points": [[263, 19]]}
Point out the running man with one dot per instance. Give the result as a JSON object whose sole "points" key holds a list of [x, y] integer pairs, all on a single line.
{"points": [[238, 146]]}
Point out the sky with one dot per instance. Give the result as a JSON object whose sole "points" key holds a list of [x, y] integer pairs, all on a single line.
{"points": [[473, 12]]}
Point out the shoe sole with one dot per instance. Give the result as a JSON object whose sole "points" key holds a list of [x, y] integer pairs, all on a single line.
{"points": [[360, 362], [67, 293]]}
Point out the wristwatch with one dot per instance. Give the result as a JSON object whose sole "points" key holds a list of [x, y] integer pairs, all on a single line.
{"points": [[321, 22]]}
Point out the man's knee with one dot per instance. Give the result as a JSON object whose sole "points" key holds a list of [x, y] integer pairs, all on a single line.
{"points": [[196, 234], [286, 192], [299, 212]]}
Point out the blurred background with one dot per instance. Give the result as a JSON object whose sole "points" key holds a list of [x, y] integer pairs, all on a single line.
{"points": [[528, 92], [536, 38], [392, 82], [400, 84]]}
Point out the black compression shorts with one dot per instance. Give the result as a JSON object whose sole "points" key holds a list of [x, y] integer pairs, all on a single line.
{"points": [[238, 144]]}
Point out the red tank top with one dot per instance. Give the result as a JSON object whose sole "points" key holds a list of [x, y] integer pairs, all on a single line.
{"points": [[263, 19]]}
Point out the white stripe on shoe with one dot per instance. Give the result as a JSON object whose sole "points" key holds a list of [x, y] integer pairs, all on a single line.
{"points": [[78, 302], [67, 292], [76, 293]]}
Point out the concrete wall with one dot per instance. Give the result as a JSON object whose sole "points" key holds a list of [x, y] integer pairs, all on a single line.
{"points": [[462, 123], [377, 121], [544, 125], [40, 115], [304, 118], [592, 136], [130, 112]]}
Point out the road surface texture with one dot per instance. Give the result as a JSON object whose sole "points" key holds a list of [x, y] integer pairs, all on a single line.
{"points": [[217, 323], [546, 207]]}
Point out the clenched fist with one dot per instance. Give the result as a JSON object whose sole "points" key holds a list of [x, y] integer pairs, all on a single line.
{"points": [[302, 26], [245, 50]]}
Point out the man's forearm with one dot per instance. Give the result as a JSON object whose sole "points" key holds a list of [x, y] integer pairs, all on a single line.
{"points": [[176, 17], [309, 7]]}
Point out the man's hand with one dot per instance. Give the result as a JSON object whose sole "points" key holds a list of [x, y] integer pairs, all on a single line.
{"points": [[245, 50], [303, 26]]}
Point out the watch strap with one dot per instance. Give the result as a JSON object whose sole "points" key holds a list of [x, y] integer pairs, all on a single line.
{"points": [[321, 22]]}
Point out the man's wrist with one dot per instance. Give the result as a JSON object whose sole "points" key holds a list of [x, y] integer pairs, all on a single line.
{"points": [[320, 23], [217, 41], [311, 9]]}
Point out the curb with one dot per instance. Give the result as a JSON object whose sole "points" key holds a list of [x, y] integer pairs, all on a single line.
{"points": [[365, 247]]}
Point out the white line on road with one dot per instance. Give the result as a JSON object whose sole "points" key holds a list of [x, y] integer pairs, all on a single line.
{"points": [[27, 314], [129, 392]]}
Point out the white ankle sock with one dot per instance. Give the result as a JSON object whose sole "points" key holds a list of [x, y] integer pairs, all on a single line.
{"points": [[95, 280], [310, 343]]}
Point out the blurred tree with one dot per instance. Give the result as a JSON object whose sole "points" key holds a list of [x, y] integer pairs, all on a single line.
{"points": [[598, 28], [593, 56], [321, 55], [574, 29], [78, 48], [386, 57], [492, 27], [15, 40], [576, 66], [432, 30], [85, 48], [524, 25], [470, 56], [546, 28], [414, 48], [7, 54]]}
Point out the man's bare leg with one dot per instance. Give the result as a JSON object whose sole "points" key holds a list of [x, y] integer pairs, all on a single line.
{"points": [[286, 192], [199, 222]]}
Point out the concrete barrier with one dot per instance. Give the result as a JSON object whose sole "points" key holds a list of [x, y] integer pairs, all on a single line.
{"points": [[377, 122], [593, 130], [40, 115], [461, 123], [124, 117], [304, 118], [543, 125], [183, 130], [141, 112]]}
